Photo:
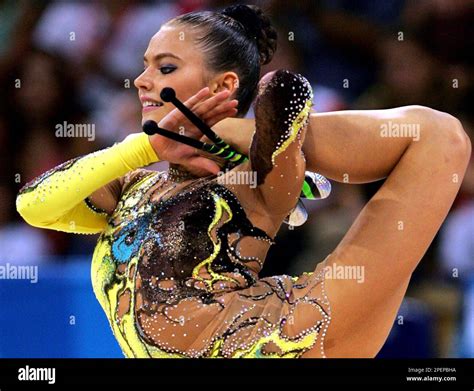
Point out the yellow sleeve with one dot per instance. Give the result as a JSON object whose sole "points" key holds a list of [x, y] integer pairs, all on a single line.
{"points": [[57, 199]]}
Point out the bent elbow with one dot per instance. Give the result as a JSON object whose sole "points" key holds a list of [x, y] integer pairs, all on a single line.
{"points": [[447, 130], [462, 139], [457, 140], [28, 212], [22, 208]]}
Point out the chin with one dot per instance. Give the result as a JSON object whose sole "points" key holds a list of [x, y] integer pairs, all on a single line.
{"points": [[147, 117]]}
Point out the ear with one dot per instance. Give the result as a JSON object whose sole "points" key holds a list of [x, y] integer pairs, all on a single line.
{"points": [[224, 81]]}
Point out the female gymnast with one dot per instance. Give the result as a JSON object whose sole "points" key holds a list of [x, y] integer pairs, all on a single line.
{"points": [[177, 261]]}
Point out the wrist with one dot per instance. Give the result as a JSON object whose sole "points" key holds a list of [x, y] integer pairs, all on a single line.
{"points": [[136, 150]]}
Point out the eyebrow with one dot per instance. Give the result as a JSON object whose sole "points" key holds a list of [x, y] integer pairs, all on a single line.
{"points": [[162, 55]]}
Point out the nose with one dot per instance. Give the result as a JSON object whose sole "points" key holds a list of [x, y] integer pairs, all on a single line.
{"points": [[143, 81]]}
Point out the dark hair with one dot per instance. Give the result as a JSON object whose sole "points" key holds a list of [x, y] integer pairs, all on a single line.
{"points": [[240, 38]]}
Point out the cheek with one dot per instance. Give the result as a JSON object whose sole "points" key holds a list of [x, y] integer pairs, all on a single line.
{"points": [[185, 91], [186, 84]]}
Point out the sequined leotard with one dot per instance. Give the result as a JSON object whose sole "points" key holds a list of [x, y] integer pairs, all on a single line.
{"points": [[186, 291], [168, 272]]}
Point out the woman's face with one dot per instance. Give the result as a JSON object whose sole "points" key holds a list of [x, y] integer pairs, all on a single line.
{"points": [[171, 60]]}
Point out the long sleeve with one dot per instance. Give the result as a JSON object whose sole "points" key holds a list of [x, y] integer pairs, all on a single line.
{"points": [[58, 200]]}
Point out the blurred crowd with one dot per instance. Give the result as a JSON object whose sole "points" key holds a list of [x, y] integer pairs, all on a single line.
{"points": [[75, 61]]}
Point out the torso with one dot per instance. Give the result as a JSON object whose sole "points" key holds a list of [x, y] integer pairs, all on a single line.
{"points": [[168, 241], [176, 272]]}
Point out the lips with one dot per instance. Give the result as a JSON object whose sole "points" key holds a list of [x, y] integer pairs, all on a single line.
{"points": [[149, 103]]}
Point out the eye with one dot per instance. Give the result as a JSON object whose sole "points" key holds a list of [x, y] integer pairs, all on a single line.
{"points": [[167, 69]]}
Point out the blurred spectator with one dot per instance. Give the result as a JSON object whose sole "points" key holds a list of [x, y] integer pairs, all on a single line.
{"points": [[17, 20], [14, 235], [457, 242], [408, 75], [466, 329], [42, 94], [106, 40]]}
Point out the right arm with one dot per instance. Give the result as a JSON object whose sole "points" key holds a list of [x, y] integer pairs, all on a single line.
{"points": [[65, 197], [78, 195]]}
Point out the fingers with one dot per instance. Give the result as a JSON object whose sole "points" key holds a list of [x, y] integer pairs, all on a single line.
{"points": [[195, 99], [216, 108], [218, 100], [175, 116], [201, 166], [211, 110], [220, 116], [211, 101], [225, 107]]}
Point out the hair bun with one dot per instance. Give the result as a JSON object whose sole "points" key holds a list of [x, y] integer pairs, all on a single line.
{"points": [[257, 26]]}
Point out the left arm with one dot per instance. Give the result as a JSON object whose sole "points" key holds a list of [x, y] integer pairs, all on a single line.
{"points": [[336, 143]]}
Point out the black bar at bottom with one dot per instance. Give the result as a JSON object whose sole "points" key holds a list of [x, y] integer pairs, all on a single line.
{"points": [[442, 374]]}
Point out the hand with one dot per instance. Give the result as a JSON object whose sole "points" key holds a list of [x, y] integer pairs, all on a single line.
{"points": [[211, 109]]}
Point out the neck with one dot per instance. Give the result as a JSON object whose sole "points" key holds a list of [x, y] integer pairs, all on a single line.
{"points": [[178, 173]]}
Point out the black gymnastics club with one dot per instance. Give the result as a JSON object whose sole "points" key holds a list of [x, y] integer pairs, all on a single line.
{"points": [[150, 127], [169, 95], [220, 148]]}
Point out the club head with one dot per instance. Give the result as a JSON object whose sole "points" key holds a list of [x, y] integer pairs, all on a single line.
{"points": [[322, 184], [298, 215], [167, 94], [150, 127]]}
